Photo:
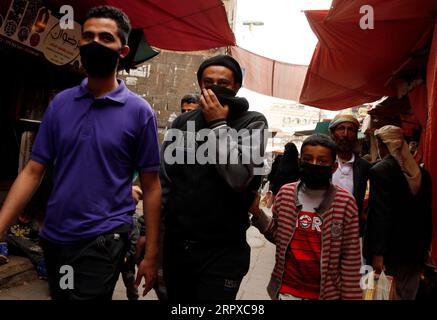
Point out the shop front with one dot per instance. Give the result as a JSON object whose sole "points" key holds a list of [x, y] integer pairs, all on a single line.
{"points": [[38, 59]]}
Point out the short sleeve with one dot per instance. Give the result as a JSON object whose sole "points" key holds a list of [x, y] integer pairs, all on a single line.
{"points": [[148, 147], [43, 149]]}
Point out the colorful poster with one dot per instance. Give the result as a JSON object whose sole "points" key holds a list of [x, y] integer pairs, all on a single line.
{"points": [[62, 46], [30, 26]]}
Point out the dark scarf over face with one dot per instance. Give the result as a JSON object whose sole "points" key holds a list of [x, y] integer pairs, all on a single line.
{"points": [[98, 60], [225, 96]]}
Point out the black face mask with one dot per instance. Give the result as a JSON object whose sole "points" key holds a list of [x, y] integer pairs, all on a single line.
{"points": [[99, 61], [315, 176]]}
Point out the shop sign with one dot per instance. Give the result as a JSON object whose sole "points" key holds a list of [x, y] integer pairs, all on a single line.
{"points": [[30, 26]]}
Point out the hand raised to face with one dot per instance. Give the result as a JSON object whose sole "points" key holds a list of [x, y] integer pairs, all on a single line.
{"points": [[211, 107]]}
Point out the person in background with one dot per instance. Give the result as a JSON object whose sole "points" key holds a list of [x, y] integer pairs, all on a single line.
{"points": [[399, 226], [315, 230], [287, 168], [352, 172], [131, 259], [22, 239], [4, 251], [190, 102]]}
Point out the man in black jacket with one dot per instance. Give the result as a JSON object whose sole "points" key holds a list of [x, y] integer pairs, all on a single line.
{"points": [[209, 171], [399, 225], [353, 171]]}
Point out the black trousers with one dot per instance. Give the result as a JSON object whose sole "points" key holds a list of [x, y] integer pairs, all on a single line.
{"points": [[96, 266], [201, 271]]}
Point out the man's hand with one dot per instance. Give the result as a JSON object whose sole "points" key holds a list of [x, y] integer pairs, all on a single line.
{"points": [[378, 264], [137, 194], [254, 208], [211, 107], [148, 269]]}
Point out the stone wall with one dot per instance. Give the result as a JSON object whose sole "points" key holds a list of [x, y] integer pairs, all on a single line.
{"points": [[165, 79]]}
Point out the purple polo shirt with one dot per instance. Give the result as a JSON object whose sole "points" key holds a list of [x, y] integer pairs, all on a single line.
{"points": [[95, 144]]}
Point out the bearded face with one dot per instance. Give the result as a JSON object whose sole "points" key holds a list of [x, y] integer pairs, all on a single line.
{"points": [[345, 136]]}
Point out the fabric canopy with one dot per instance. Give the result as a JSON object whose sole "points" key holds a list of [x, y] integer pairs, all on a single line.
{"points": [[172, 24], [430, 154], [278, 79], [350, 65]]}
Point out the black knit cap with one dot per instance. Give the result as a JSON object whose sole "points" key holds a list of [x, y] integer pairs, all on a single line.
{"points": [[222, 60]]}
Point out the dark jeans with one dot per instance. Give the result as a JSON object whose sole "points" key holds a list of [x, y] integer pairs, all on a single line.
{"points": [[128, 276], [201, 271], [96, 267]]}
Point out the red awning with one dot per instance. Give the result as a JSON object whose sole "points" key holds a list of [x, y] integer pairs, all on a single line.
{"points": [[430, 154], [171, 24], [278, 79], [351, 66]]}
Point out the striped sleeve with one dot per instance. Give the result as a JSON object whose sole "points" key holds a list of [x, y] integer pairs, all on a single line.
{"points": [[268, 225], [270, 232], [351, 255], [282, 210]]}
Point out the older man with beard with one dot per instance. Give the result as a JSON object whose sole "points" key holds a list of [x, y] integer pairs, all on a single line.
{"points": [[353, 171]]}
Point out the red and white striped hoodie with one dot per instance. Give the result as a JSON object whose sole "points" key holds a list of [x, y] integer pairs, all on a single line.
{"points": [[340, 256]]}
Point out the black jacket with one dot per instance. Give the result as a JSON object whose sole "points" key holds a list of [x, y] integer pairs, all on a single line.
{"points": [[210, 202], [399, 224], [361, 174]]}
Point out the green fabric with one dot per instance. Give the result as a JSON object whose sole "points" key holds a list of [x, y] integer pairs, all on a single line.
{"points": [[322, 127]]}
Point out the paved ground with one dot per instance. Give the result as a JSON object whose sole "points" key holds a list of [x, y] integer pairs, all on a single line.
{"points": [[253, 286], [262, 261]]}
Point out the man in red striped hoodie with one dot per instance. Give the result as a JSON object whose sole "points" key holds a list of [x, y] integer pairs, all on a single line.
{"points": [[315, 230]]}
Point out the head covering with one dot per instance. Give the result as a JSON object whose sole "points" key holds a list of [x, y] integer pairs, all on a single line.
{"points": [[340, 118], [290, 148], [290, 160], [393, 138], [225, 61], [287, 168]]}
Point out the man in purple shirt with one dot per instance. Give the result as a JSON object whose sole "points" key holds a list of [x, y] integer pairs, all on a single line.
{"points": [[96, 135]]}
